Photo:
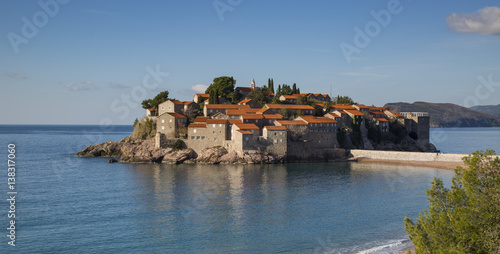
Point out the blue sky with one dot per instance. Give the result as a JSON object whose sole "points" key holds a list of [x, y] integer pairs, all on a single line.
{"points": [[87, 60]]}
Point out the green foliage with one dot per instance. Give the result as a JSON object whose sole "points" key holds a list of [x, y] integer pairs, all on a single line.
{"points": [[153, 103], [223, 85], [344, 100], [294, 88], [301, 100], [178, 145], [145, 129], [260, 95], [136, 122], [397, 130], [466, 217], [235, 97], [270, 85], [286, 113], [214, 97]]}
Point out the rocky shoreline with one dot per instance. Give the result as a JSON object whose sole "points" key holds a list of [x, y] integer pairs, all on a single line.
{"points": [[132, 150]]}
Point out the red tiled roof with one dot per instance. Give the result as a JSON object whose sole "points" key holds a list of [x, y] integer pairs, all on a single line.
{"points": [[251, 110], [245, 132], [244, 89], [252, 116], [187, 102], [226, 106], [197, 125], [272, 116], [177, 115], [232, 112], [275, 128], [244, 101], [313, 119], [216, 121], [381, 119], [290, 106], [292, 97], [342, 106], [246, 126], [354, 112], [203, 95], [233, 121], [341, 112], [361, 106], [201, 119], [288, 122], [151, 109], [376, 112]]}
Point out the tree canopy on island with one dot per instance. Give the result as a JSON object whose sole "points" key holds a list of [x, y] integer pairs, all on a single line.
{"points": [[344, 100], [223, 85], [153, 103], [466, 217]]}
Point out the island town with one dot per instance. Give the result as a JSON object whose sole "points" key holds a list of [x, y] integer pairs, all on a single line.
{"points": [[287, 124]]}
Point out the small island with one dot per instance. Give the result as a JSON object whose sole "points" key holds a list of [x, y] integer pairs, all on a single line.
{"points": [[229, 124]]}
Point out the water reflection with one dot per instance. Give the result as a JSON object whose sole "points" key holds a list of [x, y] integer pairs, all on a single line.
{"points": [[231, 208]]}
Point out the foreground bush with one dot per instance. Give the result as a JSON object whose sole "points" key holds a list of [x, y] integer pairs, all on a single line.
{"points": [[466, 217]]}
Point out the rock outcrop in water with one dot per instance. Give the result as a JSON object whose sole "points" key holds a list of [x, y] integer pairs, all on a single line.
{"points": [[134, 150]]}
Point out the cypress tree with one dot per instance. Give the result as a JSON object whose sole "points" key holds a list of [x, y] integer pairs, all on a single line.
{"points": [[294, 88]]}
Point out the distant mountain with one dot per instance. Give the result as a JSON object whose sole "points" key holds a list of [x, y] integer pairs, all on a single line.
{"points": [[488, 109], [448, 114]]}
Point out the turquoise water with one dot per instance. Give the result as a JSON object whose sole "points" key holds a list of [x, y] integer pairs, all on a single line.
{"points": [[85, 205]]}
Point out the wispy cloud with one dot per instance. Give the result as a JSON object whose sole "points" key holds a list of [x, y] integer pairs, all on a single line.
{"points": [[99, 12], [199, 88], [485, 21], [14, 75], [115, 85], [82, 86]]}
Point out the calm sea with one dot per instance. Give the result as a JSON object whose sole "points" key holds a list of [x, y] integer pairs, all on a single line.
{"points": [[67, 204]]}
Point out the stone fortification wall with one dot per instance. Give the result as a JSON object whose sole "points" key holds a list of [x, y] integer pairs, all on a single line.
{"points": [[407, 156]]}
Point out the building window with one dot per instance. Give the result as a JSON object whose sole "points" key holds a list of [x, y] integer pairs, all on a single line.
{"points": [[275, 141], [192, 137], [170, 120], [213, 132], [162, 108], [163, 127], [213, 125], [169, 107], [215, 139], [202, 137], [194, 130], [246, 138], [281, 133], [275, 133], [220, 125], [162, 121], [197, 137], [281, 140]]}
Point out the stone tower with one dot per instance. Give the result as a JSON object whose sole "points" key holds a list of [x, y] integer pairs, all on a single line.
{"points": [[252, 85]]}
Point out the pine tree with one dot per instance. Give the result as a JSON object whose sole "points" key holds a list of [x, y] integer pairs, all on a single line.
{"points": [[294, 88]]}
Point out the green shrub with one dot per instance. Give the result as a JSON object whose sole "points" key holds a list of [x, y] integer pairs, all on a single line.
{"points": [[145, 129]]}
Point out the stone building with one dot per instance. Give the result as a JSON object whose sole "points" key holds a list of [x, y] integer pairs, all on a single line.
{"points": [[211, 109], [293, 109], [250, 102], [171, 124], [418, 123]]}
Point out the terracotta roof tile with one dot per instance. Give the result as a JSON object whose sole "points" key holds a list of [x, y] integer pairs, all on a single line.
{"points": [[252, 116], [290, 106], [288, 122], [233, 121], [381, 119], [197, 125], [177, 115], [226, 106], [246, 126], [233, 112], [343, 106], [354, 112], [275, 128], [201, 119], [216, 121], [272, 116], [244, 132]]}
